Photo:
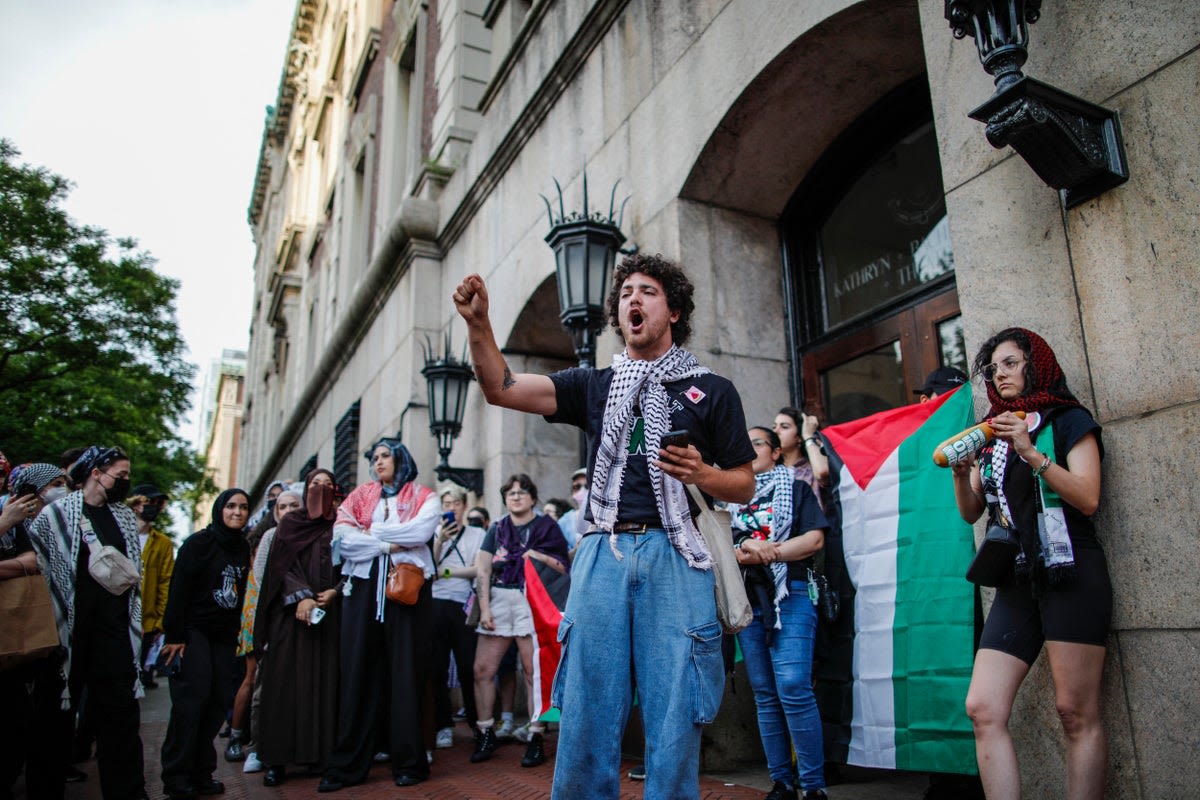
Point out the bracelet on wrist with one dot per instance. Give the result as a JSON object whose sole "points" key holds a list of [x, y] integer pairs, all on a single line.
{"points": [[1045, 465], [810, 439]]}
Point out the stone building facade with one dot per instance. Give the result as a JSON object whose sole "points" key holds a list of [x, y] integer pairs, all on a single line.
{"points": [[847, 226], [222, 401]]}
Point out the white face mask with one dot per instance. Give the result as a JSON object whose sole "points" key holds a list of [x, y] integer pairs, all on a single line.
{"points": [[54, 493], [579, 496]]}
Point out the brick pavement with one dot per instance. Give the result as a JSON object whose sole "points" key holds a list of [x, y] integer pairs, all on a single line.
{"points": [[456, 778]]}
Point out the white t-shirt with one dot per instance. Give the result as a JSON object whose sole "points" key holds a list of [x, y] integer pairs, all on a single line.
{"points": [[462, 554]]}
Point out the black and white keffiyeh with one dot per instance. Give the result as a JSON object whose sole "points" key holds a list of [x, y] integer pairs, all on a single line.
{"points": [[775, 484], [639, 383]]}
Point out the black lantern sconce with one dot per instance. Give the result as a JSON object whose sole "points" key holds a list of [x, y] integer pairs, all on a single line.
{"points": [[447, 379], [1073, 145], [585, 249]]}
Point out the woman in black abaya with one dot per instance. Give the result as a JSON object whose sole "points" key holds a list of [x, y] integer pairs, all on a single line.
{"points": [[299, 650]]}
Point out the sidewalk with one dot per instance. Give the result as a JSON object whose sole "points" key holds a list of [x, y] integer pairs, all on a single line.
{"points": [[456, 778]]}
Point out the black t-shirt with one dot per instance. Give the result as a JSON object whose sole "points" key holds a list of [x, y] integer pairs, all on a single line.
{"points": [[1070, 425], [101, 618], [14, 541], [707, 406]]}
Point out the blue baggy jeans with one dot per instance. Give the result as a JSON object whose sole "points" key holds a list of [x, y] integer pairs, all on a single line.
{"points": [[651, 618], [781, 678]]}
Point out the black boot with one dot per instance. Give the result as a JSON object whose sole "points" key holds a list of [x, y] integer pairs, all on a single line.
{"points": [[781, 791], [485, 745], [535, 751]]}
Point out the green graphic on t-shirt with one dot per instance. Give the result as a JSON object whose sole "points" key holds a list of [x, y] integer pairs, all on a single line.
{"points": [[637, 437]]}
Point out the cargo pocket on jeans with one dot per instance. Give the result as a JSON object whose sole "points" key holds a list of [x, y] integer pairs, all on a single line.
{"points": [[560, 674], [708, 672]]}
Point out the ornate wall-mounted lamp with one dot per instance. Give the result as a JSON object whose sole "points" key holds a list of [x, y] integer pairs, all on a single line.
{"points": [[447, 379], [1073, 145], [585, 249]]}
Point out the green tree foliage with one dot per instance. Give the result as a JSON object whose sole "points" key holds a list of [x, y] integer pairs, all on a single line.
{"points": [[90, 350]]}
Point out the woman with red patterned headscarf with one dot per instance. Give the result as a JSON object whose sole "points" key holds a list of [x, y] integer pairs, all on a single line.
{"points": [[1040, 476]]}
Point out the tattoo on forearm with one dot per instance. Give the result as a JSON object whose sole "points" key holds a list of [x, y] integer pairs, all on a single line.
{"points": [[509, 382]]}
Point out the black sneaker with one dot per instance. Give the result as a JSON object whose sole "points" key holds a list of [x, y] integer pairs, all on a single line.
{"points": [[781, 791], [75, 775], [638, 773], [535, 751], [816, 794], [485, 746]]}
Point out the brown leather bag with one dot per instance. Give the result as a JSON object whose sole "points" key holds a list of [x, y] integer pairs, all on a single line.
{"points": [[404, 583]]}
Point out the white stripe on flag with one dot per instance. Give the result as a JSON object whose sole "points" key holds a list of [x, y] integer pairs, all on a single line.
{"points": [[870, 534]]}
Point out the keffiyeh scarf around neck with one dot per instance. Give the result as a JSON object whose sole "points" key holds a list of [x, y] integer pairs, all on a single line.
{"points": [[639, 383], [775, 484]]}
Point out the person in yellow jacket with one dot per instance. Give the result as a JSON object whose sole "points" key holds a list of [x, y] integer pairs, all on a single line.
{"points": [[158, 562]]}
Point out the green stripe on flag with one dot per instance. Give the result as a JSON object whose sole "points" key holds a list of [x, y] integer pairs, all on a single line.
{"points": [[934, 633]]}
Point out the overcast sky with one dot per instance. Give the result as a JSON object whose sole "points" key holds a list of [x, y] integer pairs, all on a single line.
{"points": [[154, 109]]}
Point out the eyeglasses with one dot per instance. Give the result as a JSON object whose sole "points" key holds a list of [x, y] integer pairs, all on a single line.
{"points": [[760, 443], [475, 522], [1006, 367], [515, 493]]}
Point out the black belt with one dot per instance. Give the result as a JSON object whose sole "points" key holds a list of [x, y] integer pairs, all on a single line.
{"points": [[636, 527]]}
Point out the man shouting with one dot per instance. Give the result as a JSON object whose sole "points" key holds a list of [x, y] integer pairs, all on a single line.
{"points": [[641, 606]]}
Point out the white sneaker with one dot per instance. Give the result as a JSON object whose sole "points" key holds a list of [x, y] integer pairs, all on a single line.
{"points": [[445, 738], [252, 763], [521, 734], [382, 758], [505, 729], [429, 756]]}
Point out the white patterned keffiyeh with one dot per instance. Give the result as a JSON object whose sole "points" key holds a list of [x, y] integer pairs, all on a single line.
{"points": [[640, 383], [773, 486]]}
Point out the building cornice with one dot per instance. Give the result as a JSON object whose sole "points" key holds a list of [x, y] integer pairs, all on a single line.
{"points": [[590, 33], [395, 254], [279, 116]]}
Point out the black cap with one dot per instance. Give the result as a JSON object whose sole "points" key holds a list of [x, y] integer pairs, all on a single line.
{"points": [[942, 380], [147, 490]]}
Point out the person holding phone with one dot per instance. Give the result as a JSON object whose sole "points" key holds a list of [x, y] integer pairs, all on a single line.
{"points": [[454, 549], [200, 632], [296, 630], [33, 719], [641, 598]]}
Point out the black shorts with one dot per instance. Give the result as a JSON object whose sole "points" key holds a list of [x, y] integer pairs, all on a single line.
{"points": [[1080, 613]]}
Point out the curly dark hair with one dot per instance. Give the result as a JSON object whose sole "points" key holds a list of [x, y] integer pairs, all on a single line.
{"points": [[1018, 337], [677, 286], [522, 480]]}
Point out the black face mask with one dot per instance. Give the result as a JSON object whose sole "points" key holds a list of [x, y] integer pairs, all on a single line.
{"points": [[271, 506], [149, 512], [119, 490]]}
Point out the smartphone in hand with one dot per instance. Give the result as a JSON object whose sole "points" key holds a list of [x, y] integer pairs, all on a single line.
{"points": [[679, 438]]}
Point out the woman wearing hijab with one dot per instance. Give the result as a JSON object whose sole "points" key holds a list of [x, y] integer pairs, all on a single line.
{"points": [[200, 628], [34, 720], [385, 646], [776, 536], [247, 702], [99, 618], [1041, 473], [298, 645]]}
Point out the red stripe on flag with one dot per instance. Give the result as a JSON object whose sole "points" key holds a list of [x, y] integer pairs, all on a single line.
{"points": [[546, 649], [864, 444]]}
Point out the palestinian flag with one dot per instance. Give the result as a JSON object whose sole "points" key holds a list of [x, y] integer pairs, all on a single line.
{"points": [[546, 592], [906, 553]]}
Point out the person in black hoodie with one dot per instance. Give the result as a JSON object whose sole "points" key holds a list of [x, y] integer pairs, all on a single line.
{"points": [[200, 625]]}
